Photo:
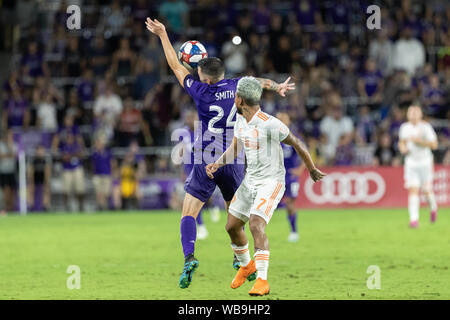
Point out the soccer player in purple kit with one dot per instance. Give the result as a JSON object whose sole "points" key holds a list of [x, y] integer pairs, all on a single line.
{"points": [[214, 99], [293, 170], [186, 150]]}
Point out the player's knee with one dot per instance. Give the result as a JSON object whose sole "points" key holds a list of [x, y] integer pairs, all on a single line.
{"points": [[256, 228], [191, 206], [290, 209], [189, 214], [233, 228], [230, 228], [428, 189]]}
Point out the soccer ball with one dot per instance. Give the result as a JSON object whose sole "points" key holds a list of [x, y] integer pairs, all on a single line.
{"points": [[190, 53]]}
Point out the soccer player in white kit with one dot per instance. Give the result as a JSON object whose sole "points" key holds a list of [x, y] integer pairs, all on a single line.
{"points": [[416, 140], [260, 135]]}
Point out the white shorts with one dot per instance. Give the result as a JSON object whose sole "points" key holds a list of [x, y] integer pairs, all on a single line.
{"points": [[261, 201], [417, 176]]}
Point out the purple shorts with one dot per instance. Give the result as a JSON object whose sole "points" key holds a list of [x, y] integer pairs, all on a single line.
{"points": [[292, 187], [228, 179], [187, 169]]}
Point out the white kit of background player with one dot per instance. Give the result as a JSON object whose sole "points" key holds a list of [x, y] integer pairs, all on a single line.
{"points": [[416, 140]]}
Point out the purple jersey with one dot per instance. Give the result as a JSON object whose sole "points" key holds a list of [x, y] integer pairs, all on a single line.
{"points": [[63, 132], [34, 64], [8, 85], [371, 82], [217, 115], [85, 90], [344, 155], [72, 151], [291, 161], [16, 110], [305, 11], [101, 161], [188, 142], [340, 13], [437, 98]]}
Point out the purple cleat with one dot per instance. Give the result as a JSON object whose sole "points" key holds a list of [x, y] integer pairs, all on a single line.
{"points": [[433, 216], [414, 224]]}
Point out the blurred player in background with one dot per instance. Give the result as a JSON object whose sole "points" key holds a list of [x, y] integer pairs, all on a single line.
{"points": [[256, 199], [416, 140], [293, 171], [214, 98]]}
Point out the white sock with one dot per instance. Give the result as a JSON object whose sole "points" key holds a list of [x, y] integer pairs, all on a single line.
{"points": [[241, 253], [413, 207], [432, 201], [262, 263]]}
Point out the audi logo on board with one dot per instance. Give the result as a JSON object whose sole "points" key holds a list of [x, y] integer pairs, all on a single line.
{"points": [[347, 187]]}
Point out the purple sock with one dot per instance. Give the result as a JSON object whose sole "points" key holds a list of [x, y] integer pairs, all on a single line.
{"points": [[199, 218], [188, 234], [293, 221]]}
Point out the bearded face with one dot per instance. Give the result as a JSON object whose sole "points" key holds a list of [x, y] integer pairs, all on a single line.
{"points": [[237, 102]]}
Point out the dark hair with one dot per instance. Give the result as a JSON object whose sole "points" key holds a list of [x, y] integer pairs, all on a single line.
{"points": [[212, 67]]}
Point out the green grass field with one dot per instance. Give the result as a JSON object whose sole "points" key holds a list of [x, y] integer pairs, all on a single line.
{"points": [[138, 256]]}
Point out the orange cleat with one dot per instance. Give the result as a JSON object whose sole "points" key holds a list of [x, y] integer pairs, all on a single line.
{"points": [[260, 288], [242, 274]]}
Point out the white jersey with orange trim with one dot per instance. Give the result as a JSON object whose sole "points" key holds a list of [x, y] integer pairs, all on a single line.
{"points": [[261, 138], [264, 182], [418, 170]]}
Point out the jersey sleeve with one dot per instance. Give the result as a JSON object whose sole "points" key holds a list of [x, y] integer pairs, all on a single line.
{"points": [[277, 130], [430, 134], [194, 88], [402, 132]]}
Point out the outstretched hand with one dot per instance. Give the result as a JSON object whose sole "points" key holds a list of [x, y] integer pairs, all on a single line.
{"points": [[316, 174], [210, 169], [285, 87], [155, 27]]}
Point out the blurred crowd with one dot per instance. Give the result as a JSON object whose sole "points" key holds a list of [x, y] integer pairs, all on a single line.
{"points": [[107, 85]]}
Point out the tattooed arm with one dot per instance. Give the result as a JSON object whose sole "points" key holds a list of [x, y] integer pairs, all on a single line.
{"points": [[302, 151], [280, 88]]}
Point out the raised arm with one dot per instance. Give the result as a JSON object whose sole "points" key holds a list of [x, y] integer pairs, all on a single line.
{"points": [[227, 157], [280, 88], [157, 28], [301, 150]]}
